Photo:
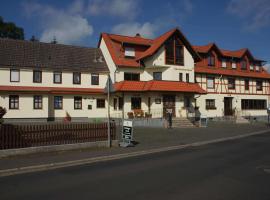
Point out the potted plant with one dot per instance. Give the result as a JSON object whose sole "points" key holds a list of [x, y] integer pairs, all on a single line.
{"points": [[3, 111]]}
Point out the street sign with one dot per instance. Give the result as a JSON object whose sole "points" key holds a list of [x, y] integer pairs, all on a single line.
{"points": [[127, 134]]}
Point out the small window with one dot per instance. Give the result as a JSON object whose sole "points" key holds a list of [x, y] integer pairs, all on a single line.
{"points": [[246, 84], [37, 76], [115, 103], [129, 52], [243, 65], [257, 68], [259, 85], [231, 83], [210, 104], [181, 77], [58, 102], [187, 78], [14, 75], [131, 76], [233, 65], [95, 79], [211, 60], [100, 103], [136, 103], [157, 76], [210, 82], [224, 63], [57, 77], [120, 103], [13, 102], [77, 103], [37, 102], [76, 78], [251, 67]]}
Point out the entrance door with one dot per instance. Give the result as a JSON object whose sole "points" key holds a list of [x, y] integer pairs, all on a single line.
{"points": [[228, 111], [168, 103]]}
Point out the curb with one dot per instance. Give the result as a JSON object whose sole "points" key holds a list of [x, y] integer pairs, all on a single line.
{"points": [[50, 166]]}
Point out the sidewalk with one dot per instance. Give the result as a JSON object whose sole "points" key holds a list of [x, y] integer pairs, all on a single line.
{"points": [[147, 138]]}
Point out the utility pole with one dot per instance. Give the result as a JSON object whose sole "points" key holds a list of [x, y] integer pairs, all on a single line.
{"points": [[108, 100]]}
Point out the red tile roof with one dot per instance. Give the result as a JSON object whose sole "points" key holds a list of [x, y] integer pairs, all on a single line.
{"points": [[231, 72], [166, 86], [51, 90]]}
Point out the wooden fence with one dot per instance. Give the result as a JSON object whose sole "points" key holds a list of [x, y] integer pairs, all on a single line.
{"points": [[22, 136]]}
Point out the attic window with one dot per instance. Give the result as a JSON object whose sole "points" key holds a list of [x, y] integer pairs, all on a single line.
{"points": [[129, 52], [174, 52]]}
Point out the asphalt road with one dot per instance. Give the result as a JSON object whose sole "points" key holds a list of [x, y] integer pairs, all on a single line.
{"points": [[237, 170]]}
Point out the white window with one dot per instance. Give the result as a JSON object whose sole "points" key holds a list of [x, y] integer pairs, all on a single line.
{"points": [[129, 52], [210, 82], [257, 68], [233, 65], [251, 67], [14, 75], [224, 64]]}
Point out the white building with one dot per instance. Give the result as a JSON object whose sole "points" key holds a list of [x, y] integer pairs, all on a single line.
{"points": [[150, 78]]}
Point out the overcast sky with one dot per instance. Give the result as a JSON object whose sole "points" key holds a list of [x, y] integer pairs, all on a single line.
{"points": [[231, 24]]}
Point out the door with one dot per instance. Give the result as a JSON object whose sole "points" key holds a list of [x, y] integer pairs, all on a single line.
{"points": [[228, 110], [168, 105]]}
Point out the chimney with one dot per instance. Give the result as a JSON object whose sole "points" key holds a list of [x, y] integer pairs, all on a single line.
{"points": [[138, 35]]}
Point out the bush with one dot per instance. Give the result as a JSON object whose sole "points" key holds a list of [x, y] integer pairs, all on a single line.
{"points": [[3, 111]]}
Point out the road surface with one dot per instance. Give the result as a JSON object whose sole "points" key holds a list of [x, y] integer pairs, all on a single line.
{"points": [[237, 170]]}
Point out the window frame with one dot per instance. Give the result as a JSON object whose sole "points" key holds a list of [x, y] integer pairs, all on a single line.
{"points": [[54, 75], [172, 45], [132, 76], [211, 60], [208, 78], [246, 81], [180, 77], [61, 102], [14, 100], [243, 67], [210, 104], [100, 106], [38, 103], [34, 77], [231, 88], [80, 78], [261, 85], [10, 76], [187, 77], [253, 104], [120, 103], [94, 79], [157, 73], [77, 101], [133, 101]]}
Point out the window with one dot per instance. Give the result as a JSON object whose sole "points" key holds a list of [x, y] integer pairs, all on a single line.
{"points": [[251, 67], [224, 64], [136, 103], [13, 102], [211, 60], [210, 104], [95, 79], [257, 68], [211, 82], [58, 102], [115, 103], [246, 84], [57, 77], [233, 65], [174, 51], [76, 78], [14, 75], [253, 104], [259, 85], [129, 52], [187, 78], [157, 76], [131, 77], [243, 65], [180, 77], [37, 76], [100, 103], [120, 103], [37, 102], [77, 103], [231, 83]]}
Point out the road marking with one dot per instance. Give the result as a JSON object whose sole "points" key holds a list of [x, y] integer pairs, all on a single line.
{"points": [[50, 166]]}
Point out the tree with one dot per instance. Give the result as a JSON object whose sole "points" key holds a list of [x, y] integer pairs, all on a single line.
{"points": [[10, 30], [3, 111]]}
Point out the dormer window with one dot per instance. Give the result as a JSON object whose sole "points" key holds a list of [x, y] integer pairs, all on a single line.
{"points": [[243, 64], [211, 60], [257, 68], [233, 65], [251, 67], [174, 52], [224, 64], [129, 52]]}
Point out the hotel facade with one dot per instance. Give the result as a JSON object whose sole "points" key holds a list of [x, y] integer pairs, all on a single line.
{"points": [[148, 78]]}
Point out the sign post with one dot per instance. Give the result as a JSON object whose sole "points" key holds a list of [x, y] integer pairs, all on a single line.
{"points": [[127, 134]]}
